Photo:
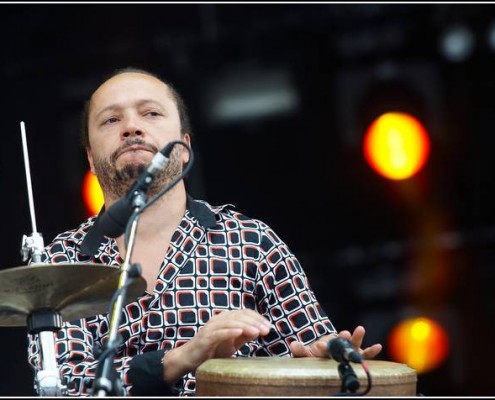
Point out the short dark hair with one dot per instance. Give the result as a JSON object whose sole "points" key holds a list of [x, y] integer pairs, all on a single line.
{"points": [[181, 106]]}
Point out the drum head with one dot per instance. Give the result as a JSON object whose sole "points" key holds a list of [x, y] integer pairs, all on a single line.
{"points": [[307, 376]]}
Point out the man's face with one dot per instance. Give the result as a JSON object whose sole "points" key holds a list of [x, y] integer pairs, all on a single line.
{"points": [[132, 116]]}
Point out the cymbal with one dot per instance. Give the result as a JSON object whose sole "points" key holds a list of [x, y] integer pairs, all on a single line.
{"points": [[74, 290]]}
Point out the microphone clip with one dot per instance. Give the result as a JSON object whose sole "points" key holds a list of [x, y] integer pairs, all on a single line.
{"points": [[138, 199]]}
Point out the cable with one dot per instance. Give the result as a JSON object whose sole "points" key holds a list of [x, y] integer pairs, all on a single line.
{"points": [[176, 180], [368, 376]]}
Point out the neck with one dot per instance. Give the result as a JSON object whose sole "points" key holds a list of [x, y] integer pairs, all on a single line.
{"points": [[165, 213], [154, 232]]}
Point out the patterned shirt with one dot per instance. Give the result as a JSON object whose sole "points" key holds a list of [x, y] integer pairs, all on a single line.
{"points": [[218, 259]]}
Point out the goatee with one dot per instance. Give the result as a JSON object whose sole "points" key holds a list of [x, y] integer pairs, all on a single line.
{"points": [[117, 182]]}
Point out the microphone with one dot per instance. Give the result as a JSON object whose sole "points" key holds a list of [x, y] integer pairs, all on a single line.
{"points": [[342, 350], [114, 220]]}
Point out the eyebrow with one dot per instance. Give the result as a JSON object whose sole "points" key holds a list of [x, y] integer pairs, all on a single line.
{"points": [[140, 103]]}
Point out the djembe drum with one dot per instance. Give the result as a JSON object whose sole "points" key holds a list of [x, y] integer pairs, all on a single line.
{"points": [[307, 376]]}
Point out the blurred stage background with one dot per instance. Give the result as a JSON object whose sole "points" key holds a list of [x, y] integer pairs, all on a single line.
{"points": [[280, 96]]}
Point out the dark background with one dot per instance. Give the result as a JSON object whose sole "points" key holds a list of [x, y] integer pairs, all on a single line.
{"points": [[375, 250]]}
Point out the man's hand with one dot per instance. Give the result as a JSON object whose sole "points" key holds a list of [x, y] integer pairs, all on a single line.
{"points": [[221, 337], [320, 349]]}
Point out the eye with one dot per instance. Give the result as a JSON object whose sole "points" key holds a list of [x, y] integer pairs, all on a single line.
{"points": [[152, 113], [110, 120]]}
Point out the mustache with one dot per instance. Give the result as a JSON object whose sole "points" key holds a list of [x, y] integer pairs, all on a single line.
{"points": [[132, 142]]}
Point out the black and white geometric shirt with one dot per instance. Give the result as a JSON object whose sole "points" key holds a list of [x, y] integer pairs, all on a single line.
{"points": [[218, 259]]}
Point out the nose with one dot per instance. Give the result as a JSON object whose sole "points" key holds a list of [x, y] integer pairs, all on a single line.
{"points": [[131, 128]]}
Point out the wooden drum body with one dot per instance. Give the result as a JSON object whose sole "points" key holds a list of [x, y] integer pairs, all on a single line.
{"points": [[307, 376]]}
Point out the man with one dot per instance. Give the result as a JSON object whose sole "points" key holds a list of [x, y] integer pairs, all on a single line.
{"points": [[218, 283]]}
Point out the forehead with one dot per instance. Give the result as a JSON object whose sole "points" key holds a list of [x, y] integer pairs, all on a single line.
{"points": [[130, 87]]}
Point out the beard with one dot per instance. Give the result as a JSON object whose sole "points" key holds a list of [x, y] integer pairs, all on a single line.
{"points": [[117, 182]]}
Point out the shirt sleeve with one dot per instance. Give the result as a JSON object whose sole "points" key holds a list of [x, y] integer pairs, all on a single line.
{"points": [[146, 375]]}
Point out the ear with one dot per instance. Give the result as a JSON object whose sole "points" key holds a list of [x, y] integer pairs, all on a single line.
{"points": [[186, 138], [89, 154]]}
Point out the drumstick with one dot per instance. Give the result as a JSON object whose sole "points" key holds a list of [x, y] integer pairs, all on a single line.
{"points": [[28, 176]]}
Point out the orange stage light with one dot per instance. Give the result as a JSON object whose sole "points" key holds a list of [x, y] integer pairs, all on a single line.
{"points": [[92, 194], [421, 343], [396, 145]]}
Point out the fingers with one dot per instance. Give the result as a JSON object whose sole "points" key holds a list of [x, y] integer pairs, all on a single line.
{"points": [[320, 348], [316, 349], [298, 349], [372, 351], [221, 335], [356, 338], [251, 323], [345, 335], [227, 331]]}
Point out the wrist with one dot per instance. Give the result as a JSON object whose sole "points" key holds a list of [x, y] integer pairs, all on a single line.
{"points": [[175, 365]]}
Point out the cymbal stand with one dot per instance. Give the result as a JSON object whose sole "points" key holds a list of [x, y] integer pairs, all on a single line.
{"points": [[43, 322], [106, 382]]}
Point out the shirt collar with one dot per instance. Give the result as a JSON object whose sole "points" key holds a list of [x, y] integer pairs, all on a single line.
{"points": [[94, 238]]}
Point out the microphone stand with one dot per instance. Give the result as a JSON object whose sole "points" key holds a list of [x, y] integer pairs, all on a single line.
{"points": [[106, 381], [350, 382]]}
